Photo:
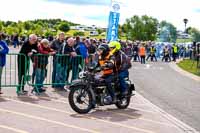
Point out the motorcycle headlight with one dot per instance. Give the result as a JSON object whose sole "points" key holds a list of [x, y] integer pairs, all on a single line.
{"points": [[82, 74]]}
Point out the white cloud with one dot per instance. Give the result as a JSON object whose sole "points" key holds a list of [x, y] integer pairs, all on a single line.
{"points": [[170, 10]]}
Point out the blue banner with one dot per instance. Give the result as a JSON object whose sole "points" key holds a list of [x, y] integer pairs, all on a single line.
{"points": [[112, 31]]}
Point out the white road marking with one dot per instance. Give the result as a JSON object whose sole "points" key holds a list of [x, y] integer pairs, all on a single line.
{"points": [[12, 129], [92, 118], [47, 120]]}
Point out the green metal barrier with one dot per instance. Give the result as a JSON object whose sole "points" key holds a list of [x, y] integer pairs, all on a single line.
{"points": [[53, 70], [16, 64]]}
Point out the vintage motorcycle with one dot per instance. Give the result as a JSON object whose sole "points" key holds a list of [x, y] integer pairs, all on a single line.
{"points": [[90, 91]]}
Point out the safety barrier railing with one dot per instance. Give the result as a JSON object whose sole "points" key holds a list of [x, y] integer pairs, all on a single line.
{"points": [[53, 70], [13, 74]]}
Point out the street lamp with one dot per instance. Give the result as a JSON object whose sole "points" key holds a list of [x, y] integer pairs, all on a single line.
{"points": [[185, 20]]}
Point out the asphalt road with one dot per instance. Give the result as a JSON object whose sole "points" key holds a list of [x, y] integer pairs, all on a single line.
{"points": [[170, 90]]}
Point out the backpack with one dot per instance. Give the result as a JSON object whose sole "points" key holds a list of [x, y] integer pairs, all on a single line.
{"points": [[126, 61]]}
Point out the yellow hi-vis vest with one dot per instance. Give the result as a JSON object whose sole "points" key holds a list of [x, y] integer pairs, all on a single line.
{"points": [[152, 50], [175, 49]]}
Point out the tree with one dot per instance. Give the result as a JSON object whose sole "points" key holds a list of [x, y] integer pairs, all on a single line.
{"points": [[1, 26], [188, 29], [141, 28], [63, 26], [167, 32], [195, 34], [100, 31], [38, 30], [11, 30], [27, 25], [78, 34], [7, 23]]}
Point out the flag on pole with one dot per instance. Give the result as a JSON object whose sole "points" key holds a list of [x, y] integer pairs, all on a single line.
{"points": [[113, 24]]}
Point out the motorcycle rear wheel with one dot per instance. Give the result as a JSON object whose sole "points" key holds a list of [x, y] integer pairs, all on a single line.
{"points": [[123, 102]]}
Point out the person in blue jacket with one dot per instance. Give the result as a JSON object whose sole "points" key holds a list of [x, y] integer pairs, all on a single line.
{"points": [[3, 51]]}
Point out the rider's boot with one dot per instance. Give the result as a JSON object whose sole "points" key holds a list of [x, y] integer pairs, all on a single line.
{"points": [[114, 99]]}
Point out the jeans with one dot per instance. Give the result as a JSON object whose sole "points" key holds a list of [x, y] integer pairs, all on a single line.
{"points": [[1, 69], [142, 59], [152, 56], [108, 80], [61, 75], [75, 68], [122, 75], [40, 76], [54, 71], [15, 43], [33, 75]]}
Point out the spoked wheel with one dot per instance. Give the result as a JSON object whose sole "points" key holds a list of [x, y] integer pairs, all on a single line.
{"points": [[124, 102], [80, 99]]}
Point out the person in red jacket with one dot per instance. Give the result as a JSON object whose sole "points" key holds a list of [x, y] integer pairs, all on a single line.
{"points": [[40, 62]]}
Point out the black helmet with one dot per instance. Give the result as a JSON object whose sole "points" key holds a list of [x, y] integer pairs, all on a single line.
{"points": [[105, 49]]}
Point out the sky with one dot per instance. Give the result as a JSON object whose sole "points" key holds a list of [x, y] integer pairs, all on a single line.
{"points": [[89, 12]]}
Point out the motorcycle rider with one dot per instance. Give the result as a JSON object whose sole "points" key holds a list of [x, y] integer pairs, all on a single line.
{"points": [[106, 62], [121, 65]]}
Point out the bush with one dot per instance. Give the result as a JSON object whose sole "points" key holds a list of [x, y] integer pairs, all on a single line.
{"points": [[79, 33], [64, 27]]}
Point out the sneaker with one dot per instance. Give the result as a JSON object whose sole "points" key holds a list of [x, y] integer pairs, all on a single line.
{"points": [[41, 90], [24, 91], [114, 99]]}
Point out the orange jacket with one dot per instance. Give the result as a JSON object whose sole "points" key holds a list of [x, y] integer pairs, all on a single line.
{"points": [[102, 62], [142, 51]]}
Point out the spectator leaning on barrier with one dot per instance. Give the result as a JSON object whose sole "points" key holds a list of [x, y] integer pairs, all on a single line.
{"points": [[41, 62], [26, 49], [69, 48], [3, 51], [63, 64], [56, 45]]}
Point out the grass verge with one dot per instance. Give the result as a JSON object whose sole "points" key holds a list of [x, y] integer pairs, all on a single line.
{"points": [[190, 66]]}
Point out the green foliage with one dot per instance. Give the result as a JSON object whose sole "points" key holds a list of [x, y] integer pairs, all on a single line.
{"points": [[38, 26], [100, 31], [7, 23], [64, 27], [27, 25], [195, 34], [1, 26], [79, 34], [188, 30], [167, 32], [183, 40], [141, 28]]}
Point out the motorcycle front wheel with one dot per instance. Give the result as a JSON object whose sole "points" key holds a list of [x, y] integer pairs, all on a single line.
{"points": [[80, 99]]}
